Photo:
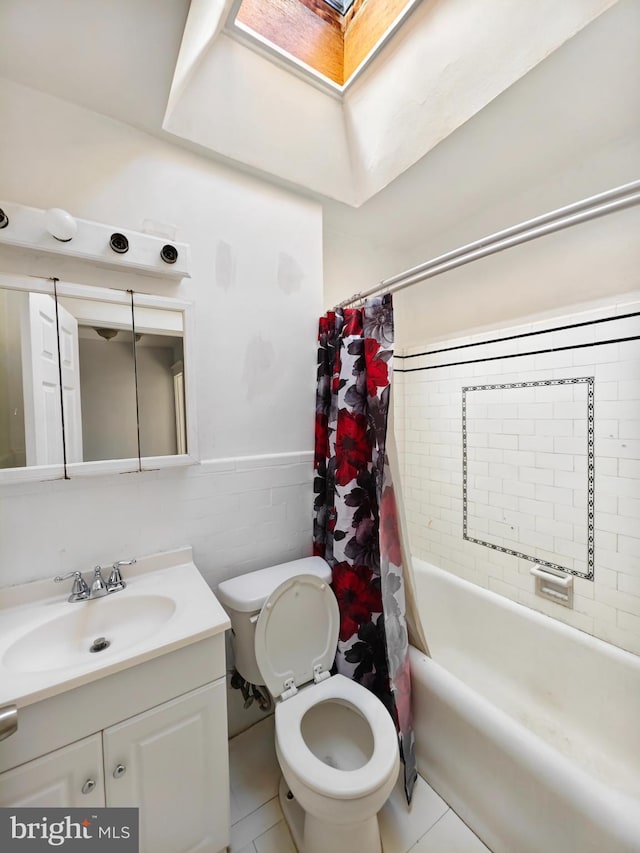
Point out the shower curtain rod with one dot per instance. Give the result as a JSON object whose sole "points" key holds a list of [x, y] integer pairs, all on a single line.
{"points": [[602, 204]]}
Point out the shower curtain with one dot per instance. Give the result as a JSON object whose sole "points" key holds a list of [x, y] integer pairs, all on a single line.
{"points": [[356, 519]]}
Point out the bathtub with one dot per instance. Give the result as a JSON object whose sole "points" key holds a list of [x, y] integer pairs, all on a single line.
{"points": [[528, 728]]}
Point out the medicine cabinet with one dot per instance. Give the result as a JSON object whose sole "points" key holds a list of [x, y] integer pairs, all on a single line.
{"points": [[92, 380]]}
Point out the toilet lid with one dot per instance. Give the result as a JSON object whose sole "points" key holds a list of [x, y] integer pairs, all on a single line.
{"points": [[296, 631]]}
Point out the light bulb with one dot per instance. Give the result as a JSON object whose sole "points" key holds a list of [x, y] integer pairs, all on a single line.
{"points": [[60, 224]]}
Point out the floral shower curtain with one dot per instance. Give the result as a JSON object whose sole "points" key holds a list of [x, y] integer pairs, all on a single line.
{"points": [[356, 519]]}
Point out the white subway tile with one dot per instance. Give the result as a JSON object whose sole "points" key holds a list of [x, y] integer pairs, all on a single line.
{"points": [[629, 429], [629, 545], [523, 490], [535, 507], [629, 585], [561, 461], [552, 493], [536, 442], [629, 468], [597, 609], [617, 636], [535, 539], [629, 622], [536, 475], [617, 524], [555, 427], [629, 389]]}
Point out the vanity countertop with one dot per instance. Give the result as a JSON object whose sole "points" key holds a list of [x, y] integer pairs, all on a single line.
{"points": [[45, 640]]}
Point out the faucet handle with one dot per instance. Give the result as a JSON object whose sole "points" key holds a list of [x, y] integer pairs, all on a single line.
{"points": [[119, 563], [79, 591], [115, 581]]}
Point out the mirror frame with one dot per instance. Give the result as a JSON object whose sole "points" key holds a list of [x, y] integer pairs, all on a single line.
{"points": [[38, 284]]}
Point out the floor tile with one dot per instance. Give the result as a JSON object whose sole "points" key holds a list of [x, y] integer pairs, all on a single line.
{"points": [[401, 825], [255, 824], [450, 834], [275, 840], [253, 769]]}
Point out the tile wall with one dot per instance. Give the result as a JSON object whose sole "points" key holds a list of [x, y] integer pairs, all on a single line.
{"points": [[540, 465]]}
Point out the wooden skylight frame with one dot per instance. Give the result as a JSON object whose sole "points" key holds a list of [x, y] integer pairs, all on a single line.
{"points": [[314, 39]]}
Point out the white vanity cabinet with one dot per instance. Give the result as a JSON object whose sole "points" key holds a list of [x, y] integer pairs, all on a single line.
{"points": [[159, 743], [68, 777], [158, 762]]}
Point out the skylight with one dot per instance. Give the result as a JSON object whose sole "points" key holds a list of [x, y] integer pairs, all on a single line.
{"points": [[341, 6], [332, 40]]}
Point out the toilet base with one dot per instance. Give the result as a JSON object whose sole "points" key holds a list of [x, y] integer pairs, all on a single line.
{"points": [[293, 814], [311, 835]]}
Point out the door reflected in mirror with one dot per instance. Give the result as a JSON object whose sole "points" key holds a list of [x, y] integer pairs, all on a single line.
{"points": [[30, 409], [159, 337], [98, 379], [92, 381]]}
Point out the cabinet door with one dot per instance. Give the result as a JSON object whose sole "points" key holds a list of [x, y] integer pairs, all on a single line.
{"points": [[71, 776], [173, 764]]}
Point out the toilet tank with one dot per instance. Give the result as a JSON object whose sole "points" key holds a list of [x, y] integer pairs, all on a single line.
{"points": [[243, 598]]}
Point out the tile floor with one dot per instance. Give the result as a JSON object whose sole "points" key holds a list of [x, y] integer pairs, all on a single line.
{"points": [[257, 825]]}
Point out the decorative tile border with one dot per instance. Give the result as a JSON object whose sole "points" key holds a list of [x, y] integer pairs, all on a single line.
{"points": [[589, 381]]}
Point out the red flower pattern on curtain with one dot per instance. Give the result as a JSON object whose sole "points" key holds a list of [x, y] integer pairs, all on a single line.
{"points": [[355, 513]]}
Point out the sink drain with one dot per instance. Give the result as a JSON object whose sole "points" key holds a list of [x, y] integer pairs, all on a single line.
{"points": [[100, 644]]}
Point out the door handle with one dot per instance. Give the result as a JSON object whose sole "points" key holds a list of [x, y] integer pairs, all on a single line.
{"points": [[8, 720]]}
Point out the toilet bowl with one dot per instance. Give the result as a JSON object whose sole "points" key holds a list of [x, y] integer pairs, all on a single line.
{"points": [[336, 743], [338, 751]]}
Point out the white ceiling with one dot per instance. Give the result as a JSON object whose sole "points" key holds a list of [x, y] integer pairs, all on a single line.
{"points": [[118, 57], [582, 100]]}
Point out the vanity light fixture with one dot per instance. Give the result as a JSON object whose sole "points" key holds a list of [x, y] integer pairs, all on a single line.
{"points": [[107, 334], [57, 232], [60, 224], [169, 254], [119, 243]]}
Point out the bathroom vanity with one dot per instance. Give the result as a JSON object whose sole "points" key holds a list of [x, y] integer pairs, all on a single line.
{"points": [[141, 724]]}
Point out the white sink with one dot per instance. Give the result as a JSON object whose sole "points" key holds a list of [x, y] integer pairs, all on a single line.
{"points": [[67, 640], [46, 641]]}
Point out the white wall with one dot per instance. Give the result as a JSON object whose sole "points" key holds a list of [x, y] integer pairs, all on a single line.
{"points": [[256, 288]]}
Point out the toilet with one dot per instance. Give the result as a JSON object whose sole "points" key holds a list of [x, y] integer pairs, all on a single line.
{"points": [[336, 743]]}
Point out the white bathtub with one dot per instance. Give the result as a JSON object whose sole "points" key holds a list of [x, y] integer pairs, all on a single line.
{"points": [[529, 729]]}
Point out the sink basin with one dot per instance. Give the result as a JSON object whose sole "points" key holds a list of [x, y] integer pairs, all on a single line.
{"points": [[66, 640], [49, 645]]}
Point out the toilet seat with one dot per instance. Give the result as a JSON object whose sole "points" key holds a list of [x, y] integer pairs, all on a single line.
{"points": [[297, 634], [312, 771]]}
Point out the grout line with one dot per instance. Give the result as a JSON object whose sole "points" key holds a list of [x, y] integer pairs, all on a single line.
{"points": [[257, 809]]}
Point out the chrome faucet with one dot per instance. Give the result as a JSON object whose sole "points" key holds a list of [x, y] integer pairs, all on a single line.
{"points": [[99, 588]]}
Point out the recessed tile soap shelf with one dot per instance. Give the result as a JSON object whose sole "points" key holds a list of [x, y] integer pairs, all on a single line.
{"points": [[553, 586]]}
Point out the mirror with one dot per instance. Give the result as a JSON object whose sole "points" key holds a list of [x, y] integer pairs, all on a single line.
{"points": [[117, 401], [160, 370], [98, 379], [30, 410]]}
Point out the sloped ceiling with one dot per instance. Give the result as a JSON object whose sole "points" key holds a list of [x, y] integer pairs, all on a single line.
{"points": [[171, 68]]}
